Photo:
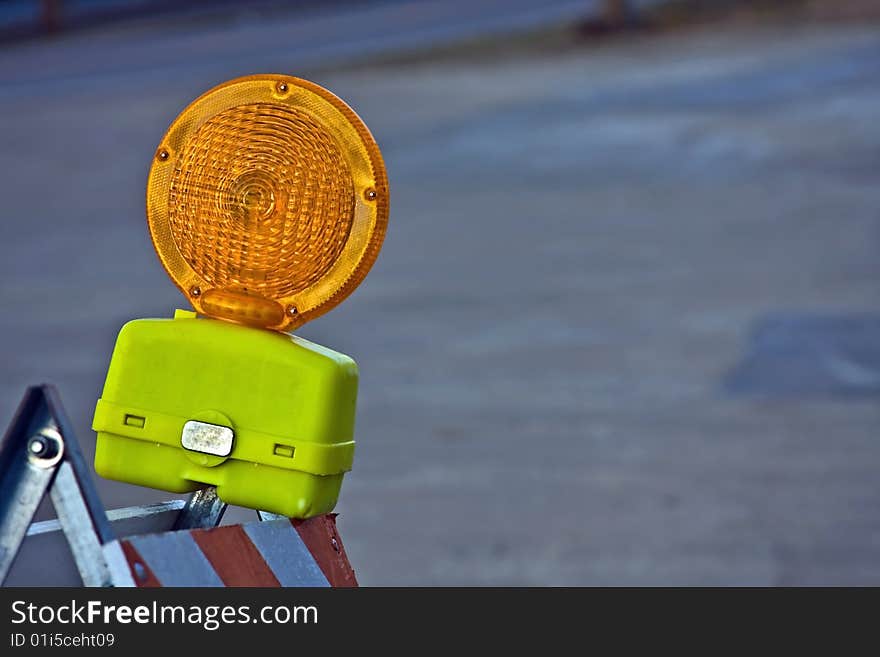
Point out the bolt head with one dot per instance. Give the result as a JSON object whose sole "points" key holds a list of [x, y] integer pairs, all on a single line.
{"points": [[44, 448]]}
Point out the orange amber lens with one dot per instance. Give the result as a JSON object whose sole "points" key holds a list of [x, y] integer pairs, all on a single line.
{"points": [[267, 201]]}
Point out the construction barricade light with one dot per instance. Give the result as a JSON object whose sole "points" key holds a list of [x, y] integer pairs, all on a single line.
{"points": [[267, 204]]}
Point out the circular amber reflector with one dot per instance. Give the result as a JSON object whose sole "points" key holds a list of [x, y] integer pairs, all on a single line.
{"points": [[267, 201]]}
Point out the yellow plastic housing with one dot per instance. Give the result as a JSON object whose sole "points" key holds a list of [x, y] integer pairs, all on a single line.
{"points": [[267, 201], [289, 404]]}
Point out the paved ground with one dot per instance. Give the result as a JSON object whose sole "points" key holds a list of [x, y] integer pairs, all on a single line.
{"points": [[564, 344]]}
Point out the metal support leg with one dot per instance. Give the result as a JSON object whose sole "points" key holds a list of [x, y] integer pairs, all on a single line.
{"points": [[79, 528], [29, 454], [39, 454]]}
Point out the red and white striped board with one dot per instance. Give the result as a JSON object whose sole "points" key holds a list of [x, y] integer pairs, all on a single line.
{"points": [[270, 553]]}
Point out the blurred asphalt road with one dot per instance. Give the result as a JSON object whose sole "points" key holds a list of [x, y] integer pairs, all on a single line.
{"points": [[582, 240]]}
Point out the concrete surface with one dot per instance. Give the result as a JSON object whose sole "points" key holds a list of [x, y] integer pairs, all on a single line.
{"points": [[582, 240]]}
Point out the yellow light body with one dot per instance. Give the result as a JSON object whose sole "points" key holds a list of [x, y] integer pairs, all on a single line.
{"points": [[289, 406]]}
